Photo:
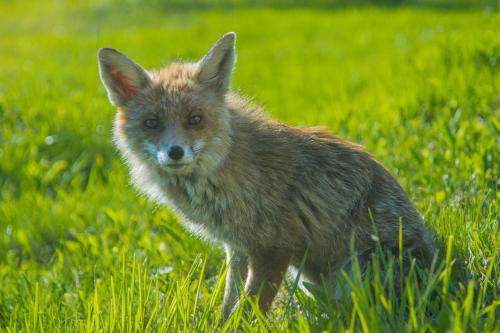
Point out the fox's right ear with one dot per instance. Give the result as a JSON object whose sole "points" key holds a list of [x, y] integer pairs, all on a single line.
{"points": [[216, 67], [122, 78]]}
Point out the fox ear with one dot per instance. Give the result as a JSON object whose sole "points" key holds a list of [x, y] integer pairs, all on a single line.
{"points": [[217, 65], [122, 78]]}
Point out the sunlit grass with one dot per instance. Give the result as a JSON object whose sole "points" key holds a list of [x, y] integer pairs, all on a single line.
{"points": [[80, 251]]}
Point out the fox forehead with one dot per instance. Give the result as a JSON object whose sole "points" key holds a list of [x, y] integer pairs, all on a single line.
{"points": [[172, 91], [175, 90], [177, 77]]}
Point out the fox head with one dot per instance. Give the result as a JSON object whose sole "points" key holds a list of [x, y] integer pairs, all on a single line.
{"points": [[175, 118]]}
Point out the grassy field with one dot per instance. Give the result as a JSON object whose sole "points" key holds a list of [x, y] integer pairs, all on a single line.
{"points": [[81, 251]]}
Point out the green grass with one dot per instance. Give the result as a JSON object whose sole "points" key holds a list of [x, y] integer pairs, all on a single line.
{"points": [[81, 251]]}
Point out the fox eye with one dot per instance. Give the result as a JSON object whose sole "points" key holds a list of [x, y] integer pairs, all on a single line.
{"points": [[194, 120], [151, 123]]}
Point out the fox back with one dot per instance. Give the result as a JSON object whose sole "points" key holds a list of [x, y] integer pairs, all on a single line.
{"points": [[270, 193]]}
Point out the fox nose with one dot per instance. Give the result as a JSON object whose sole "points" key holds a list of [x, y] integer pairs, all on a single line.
{"points": [[176, 153]]}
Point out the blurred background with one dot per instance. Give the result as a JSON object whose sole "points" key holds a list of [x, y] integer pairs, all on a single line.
{"points": [[415, 81]]}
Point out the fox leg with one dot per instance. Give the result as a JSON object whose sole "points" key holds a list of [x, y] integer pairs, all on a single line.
{"points": [[237, 272], [266, 272]]}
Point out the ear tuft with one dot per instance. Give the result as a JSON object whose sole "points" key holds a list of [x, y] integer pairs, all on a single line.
{"points": [[122, 78], [217, 65]]}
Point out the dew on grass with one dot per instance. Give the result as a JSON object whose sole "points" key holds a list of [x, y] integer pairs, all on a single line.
{"points": [[165, 270], [49, 140]]}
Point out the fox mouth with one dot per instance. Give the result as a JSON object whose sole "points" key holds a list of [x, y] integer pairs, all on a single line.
{"points": [[175, 165]]}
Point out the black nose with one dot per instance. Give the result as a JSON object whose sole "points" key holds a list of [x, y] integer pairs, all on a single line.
{"points": [[176, 153]]}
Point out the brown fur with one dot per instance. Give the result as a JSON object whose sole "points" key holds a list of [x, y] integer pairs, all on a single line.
{"points": [[267, 191]]}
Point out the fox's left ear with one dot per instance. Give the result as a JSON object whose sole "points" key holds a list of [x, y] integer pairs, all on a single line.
{"points": [[122, 77], [217, 65]]}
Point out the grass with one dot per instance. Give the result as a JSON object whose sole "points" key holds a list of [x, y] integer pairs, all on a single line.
{"points": [[80, 251]]}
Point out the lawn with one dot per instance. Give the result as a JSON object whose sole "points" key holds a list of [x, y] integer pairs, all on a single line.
{"points": [[80, 250]]}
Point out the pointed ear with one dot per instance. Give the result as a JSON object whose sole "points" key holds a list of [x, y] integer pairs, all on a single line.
{"points": [[217, 65], [122, 78]]}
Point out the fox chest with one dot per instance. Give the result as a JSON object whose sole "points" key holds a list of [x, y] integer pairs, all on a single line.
{"points": [[212, 211]]}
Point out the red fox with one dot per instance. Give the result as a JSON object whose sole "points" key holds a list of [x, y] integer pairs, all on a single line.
{"points": [[268, 192]]}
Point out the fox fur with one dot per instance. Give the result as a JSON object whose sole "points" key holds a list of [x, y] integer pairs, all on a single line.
{"points": [[268, 192]]}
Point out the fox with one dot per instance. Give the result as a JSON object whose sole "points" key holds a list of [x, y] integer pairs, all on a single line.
{"points": [[275, 197]]}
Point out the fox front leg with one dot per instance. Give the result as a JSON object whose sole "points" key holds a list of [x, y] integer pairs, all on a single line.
{"points": [[266, 272], [237, 272]]}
